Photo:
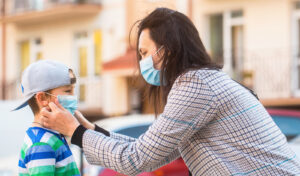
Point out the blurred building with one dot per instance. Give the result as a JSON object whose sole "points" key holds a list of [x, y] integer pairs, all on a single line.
{"points": [[80, 33], [258, 43], [124, 69], [87, 35], [256, 40]]}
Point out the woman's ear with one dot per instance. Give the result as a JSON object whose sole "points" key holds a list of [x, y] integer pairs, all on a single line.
{"points": [[41, 99]]}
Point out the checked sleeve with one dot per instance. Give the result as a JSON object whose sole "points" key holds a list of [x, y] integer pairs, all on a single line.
{"points": [[190, 106]]}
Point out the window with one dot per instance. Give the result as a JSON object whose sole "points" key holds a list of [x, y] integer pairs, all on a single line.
{"points": [[88, 59], [216, 38], [82, 59], [226, 41], [21, 4], [30, 51], [25, 54], [98, 51], [83, 70], [237, 14], [237, 51], [28, 5], [37, 50], [295, 72]]}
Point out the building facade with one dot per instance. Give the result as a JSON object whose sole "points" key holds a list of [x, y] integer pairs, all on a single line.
{"points": [[257, 41], [81, 34]]}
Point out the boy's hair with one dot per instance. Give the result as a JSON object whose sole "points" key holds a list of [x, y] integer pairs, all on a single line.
{"points": [[32, 101], [33, 104]]}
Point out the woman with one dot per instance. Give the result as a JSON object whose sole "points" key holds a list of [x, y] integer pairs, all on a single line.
{"points": [[216, 125]]}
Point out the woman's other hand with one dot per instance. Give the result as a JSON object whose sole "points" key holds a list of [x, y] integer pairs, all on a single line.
{"points": [[83, 121]]}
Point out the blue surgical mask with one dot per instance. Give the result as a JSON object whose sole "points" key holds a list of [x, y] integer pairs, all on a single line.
{"points": [[69, 102], [150, 74]]}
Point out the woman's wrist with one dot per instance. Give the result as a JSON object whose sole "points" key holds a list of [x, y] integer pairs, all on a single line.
{"points": [[82, 120], [73, 128], [78, 135], [92, 126], [89, 125], [102, 130]]}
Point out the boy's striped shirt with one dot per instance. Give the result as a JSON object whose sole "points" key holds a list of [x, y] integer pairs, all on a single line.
{"points": [[45, 152]]}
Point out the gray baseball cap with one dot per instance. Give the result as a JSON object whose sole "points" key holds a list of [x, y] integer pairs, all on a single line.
{"points": [[42, 76]]}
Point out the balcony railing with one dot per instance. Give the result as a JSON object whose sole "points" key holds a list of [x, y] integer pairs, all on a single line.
{"points": [[22, 6], [37, 11]]}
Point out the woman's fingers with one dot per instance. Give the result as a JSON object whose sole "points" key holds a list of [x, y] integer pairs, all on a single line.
{"points": [[83, 121], [78, 114], [45, 112], [46, 124], [79, 117], [49, 115], [59, 119], [53, 107]]}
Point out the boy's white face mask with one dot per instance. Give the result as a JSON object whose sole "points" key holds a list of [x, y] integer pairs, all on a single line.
{"points": [[69, 102]]}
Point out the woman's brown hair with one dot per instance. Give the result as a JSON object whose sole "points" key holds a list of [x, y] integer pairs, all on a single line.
{"points": [[183, 50]]}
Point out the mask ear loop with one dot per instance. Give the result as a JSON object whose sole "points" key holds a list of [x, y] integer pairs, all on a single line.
{"points": [[158, 50], [50, 94]]}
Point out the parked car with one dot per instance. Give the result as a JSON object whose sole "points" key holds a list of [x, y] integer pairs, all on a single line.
{"points": [[287, 120], [289, 123]]}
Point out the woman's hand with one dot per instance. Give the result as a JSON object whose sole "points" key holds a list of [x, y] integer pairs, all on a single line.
{"points": [[59, 119], [83, 121]]}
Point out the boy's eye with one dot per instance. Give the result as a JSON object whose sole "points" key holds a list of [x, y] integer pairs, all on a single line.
{"points": [[68, 91]]}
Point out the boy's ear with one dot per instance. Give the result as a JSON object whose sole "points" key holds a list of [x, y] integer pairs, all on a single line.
{"points": [[41, 98]]}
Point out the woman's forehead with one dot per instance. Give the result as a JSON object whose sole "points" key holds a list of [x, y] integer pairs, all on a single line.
{"points": [[144, 40]]}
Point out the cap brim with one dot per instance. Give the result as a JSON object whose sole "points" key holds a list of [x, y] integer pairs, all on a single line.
{"points": [[23, 103]]}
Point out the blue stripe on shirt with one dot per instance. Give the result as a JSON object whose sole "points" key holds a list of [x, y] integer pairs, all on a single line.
{"points": [[36, 156]]}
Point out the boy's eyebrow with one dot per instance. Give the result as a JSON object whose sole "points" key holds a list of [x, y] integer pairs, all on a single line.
{"points": [[69, 86]]}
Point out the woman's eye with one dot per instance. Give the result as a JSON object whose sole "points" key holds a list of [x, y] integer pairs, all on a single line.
{"points": [[68, 91]]}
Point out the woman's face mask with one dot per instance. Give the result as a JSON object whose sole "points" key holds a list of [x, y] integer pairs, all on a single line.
{"points": [[150, 74], [69, 102]]}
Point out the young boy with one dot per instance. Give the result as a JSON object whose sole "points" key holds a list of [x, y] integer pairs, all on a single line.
{"points": [[44, 151]]}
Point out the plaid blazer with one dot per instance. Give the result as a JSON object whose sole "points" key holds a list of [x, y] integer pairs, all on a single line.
{"points": [[216, 125]]}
